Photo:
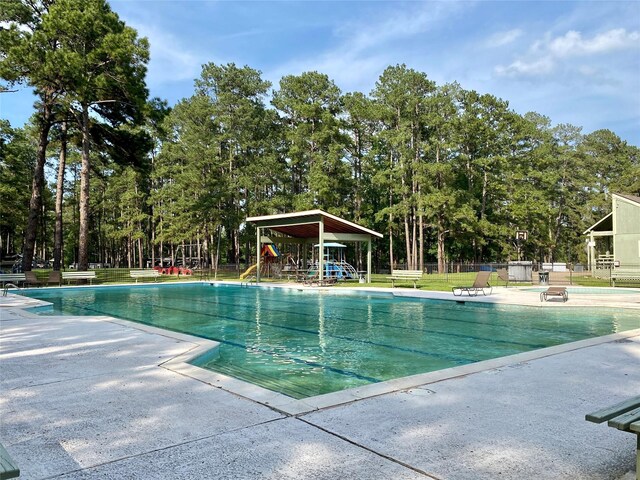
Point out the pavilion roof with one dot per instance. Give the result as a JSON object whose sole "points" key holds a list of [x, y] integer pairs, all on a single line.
{"points": [[305, 224]]}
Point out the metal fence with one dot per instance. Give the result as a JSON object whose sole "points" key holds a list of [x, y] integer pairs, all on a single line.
{"points": [[536, 273], [454, 273]]}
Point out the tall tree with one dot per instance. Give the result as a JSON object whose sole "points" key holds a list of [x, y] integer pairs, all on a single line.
{"points": [[17, 157], [26, 56], [105, 64], [444, 205], [485, 134], [62, 163], [310, 104], [404, 98], [237, 104], [189, 188]]}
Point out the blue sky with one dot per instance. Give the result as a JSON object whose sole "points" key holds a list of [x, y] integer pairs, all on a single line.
{"points": [[575, 62]]}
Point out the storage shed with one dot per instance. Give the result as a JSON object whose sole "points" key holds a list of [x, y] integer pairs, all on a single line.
{"points": [[615, 239]]}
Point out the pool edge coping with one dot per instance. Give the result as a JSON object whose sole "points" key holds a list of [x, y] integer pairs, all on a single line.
{"points": [[181, 364], [290, 406]]}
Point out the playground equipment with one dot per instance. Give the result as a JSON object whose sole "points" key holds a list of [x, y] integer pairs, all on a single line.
{"points": [[173, 270], [269, 252], [274, 264], [248, 271], [337, 267]]}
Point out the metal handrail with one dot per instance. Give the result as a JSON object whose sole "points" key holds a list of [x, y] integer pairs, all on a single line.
{"points": [[5, 290], [248, 280]]}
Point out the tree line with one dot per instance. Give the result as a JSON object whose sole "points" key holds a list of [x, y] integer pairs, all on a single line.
{"points": [[447, 174]]}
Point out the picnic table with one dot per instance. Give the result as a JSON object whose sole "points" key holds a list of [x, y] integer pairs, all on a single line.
{"points": [[624, 416]]}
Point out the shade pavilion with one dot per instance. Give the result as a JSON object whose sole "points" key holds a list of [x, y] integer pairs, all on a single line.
{"points": [[310, 227]]}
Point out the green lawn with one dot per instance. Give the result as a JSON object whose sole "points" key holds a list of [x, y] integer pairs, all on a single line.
{"points": [[437, 282]]}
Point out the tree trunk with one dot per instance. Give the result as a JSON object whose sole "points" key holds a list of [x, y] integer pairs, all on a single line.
{"points": [[140, 257], [414, 241], [407, 241], [390, 215], [478, 249], [35, 204], [129, 251], [421, 223], [57, 242], [390, 246], [441, 234], [83, 238]]}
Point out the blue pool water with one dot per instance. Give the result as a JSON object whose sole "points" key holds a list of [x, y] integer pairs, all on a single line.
{"points": [[304, 343]]}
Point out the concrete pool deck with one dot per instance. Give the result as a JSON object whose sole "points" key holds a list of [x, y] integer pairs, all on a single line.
{"points": [[94, 397]]}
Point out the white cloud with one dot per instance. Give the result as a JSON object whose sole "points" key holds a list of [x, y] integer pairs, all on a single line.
{"points": [[400, 24], [572, 43], [518, 68], [366, 47], [170, 59], [547, 55], [500, 39]]}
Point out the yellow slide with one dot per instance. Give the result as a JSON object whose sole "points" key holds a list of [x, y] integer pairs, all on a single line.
{"points": [[248, 272]]}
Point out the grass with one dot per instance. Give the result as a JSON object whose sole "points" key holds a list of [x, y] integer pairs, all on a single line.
{"points": [[436, 282]]}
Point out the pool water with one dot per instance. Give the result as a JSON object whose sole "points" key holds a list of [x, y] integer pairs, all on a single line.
{"points": [[304, 343]]}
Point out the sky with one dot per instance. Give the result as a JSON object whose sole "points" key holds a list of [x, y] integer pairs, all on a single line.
{"points": [[576, 62]]}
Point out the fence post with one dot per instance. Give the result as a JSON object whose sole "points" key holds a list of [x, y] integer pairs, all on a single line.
{"points": [[570, 273], [610, 273]]}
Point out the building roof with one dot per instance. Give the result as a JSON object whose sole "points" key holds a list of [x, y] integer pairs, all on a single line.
{"points": [[305, 224], [605, 224], [631, 198]]}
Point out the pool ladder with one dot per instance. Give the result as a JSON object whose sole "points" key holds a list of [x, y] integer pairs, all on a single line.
{"points": [[247, 281], [5, 289]]}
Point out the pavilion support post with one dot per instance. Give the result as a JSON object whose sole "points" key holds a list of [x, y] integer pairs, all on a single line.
{"points": [[258, 238], [369, 261], [592, 253], [320, 251], [305, 252]]}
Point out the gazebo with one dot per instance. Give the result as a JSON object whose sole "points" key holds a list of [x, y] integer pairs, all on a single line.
{"points": [[311, 227]]}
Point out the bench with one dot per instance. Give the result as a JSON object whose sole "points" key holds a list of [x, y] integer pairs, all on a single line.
{"points": [[405, 276], [12, 278], [145, 273], [313, 278], [624, 416], [554, 292], [622, 275], [325, 282], [8, 468], [69, 276]]}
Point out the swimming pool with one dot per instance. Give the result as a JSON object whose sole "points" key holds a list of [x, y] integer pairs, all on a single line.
{"points": [[304, 343]]}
